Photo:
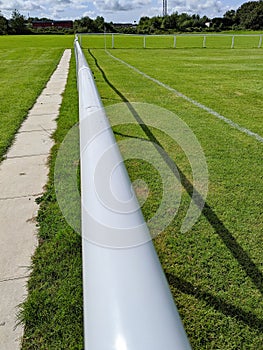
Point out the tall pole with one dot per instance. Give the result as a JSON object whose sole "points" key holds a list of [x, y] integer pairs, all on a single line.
{"points": [[165, 12]]}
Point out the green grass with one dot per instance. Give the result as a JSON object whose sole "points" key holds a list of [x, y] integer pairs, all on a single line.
{"points": [[215, 269], [27, 62], [224, 80]]}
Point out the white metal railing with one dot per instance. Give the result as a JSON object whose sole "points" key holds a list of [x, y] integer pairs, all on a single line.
{"points": [[127, 301], [174, 38]]}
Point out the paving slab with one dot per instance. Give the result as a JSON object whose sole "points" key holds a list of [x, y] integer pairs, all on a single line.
{"points": [[59, 78], [24, 144], [23, 175], [49, 98], [18, 232], [41, 109], [54, 85], [39, 122], [29, 175], [10, 332]]}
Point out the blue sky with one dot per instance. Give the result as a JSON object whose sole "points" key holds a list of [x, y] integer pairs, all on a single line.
{"points": [[114, 10]]}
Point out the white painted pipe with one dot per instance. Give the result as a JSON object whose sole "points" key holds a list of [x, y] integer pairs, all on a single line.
{"points": [[127, 301]]}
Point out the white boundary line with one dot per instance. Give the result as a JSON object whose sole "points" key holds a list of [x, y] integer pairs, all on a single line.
{"points": [[188, 99]]}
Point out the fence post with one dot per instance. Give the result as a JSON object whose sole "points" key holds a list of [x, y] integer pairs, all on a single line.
{"points": [[127, 301], [233, 42], [175, 42], [204, 42], [260, 42], [105, 41], [112, 41], [144, 42]]}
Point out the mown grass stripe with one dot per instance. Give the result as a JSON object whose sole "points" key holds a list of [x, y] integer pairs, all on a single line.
{"points": [[188, 99]]}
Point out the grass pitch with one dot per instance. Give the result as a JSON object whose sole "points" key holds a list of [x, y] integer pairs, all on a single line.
{"points": [[27, 62], [215, 269]]}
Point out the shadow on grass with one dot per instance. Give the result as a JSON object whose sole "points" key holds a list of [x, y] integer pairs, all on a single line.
{"points": [[216, 302], [230, 242]]}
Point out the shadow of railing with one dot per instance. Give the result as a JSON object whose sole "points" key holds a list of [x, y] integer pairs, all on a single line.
{"points": [[219, 227]]}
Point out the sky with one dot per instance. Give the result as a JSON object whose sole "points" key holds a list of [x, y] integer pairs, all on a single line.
{"points": [[124, 11]]}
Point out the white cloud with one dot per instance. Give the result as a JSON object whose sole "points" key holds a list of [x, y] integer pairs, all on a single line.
{"points": [[119, 5], [45, 8], [32, 6], [208, 7], [151, 12], [22, 5], [90, 14], [115, 10]]}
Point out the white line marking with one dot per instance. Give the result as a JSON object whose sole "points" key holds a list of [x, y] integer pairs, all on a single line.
{"points": [[200, 105]]}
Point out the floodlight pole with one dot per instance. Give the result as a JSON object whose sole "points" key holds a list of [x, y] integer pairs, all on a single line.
{"points": [[165, 11]]}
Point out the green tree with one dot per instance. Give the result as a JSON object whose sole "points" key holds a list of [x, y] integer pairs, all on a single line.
{"points": [[84, 25], [3, 25], [144, 25], [184, 22], [18, 23], [99, 24], [170, 22], [250, 15], [155, 24]]}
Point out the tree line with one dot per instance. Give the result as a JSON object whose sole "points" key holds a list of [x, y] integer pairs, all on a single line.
{"points": [[248, 16]]}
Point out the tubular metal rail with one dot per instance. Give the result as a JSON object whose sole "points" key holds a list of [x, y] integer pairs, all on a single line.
{"points": [[175, 38], [127, 301]]}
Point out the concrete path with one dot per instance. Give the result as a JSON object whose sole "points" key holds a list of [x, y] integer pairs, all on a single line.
{"points": [[23, 174]]}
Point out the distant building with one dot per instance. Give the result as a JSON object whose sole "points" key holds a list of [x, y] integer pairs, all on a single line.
{"points": [[52, 24], [124, 25]]}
